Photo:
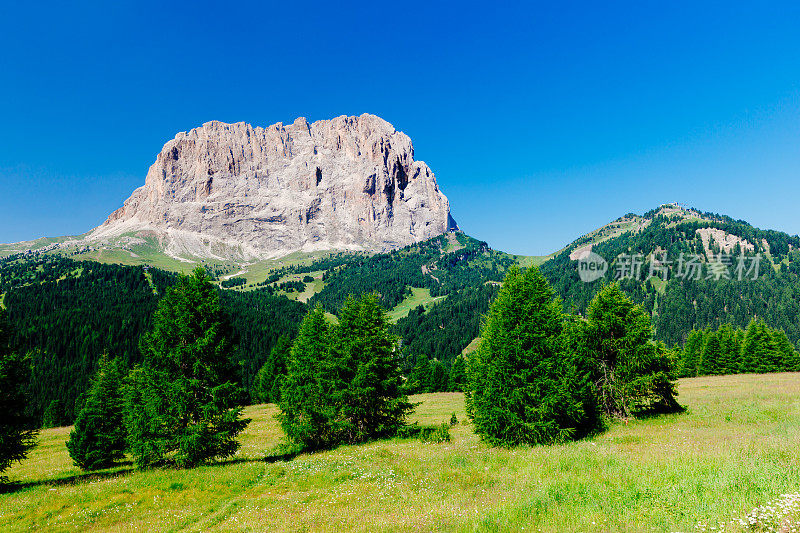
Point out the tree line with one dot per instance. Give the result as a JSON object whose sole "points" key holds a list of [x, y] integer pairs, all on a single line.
{"points": [[728, 350]]}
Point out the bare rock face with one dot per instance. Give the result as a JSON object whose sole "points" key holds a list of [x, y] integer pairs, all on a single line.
{"points": [[232, 189]]}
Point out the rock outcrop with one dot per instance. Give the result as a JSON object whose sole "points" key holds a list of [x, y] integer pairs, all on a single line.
{"points": [[231, 189]]}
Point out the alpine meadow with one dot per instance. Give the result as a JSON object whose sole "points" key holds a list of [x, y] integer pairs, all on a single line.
{"points": [[570, 304]]}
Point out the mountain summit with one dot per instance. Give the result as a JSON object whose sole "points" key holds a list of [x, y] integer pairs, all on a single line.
{"points": [[242, 192]]}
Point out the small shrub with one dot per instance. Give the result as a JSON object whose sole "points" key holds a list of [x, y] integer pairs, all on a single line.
{"points": [[438, 435], [453, 420], [435, 434]]}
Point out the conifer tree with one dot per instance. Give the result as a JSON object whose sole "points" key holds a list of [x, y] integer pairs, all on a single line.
{"points": [[183, 405], [458, 375], [692, 353], [421, 376], [783, 359], [755, 348], [631, 373], [712, 355], [343, 384], [267, 383], [368, 384], [438, 377], [307, 412], [521, 389], [729, 349], [98, 440], [17, 435]]}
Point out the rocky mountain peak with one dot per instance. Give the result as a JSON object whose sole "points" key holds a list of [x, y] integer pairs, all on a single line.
{"points": [[254, 192]]}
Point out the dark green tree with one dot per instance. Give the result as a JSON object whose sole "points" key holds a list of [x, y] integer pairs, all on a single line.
{"points": [[307, 409], [183, 406], [98, 440], [756, 348], [421, 380], [368, 384], [267, 383], [438, 377], [631, 373], [521, 390], [17, 435], [711, 360], [458, 375], [692, 353]]}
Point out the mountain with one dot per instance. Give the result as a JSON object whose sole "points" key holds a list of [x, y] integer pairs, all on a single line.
{"points": [[243, 193], [678, 298]]}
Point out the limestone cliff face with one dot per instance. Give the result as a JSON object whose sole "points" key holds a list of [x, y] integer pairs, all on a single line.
{"points": [[345, 183]]}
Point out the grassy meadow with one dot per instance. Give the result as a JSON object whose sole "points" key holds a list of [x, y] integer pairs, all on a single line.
{"points": [[736, 448]]}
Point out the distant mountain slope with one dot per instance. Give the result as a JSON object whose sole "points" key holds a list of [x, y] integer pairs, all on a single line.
{"points": [[680, 304]]}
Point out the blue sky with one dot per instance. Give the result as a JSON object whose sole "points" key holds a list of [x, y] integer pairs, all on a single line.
{"points": [[541, 121]]}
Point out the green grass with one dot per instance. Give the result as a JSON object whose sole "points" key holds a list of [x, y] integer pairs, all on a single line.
{"points": [[415, 299], [735, 448]]}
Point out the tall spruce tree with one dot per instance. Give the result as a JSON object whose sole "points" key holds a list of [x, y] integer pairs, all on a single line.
{"points": [[368, 383], [183, 406], [307, 412], [712, 355], [692, 353], [458, 375], [631, 373], [267, 383], [98, 440], [343, 384], [521, 390], [17, 435]]}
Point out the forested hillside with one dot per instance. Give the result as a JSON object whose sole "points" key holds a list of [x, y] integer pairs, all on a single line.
{"points": [[681, 304], [70, 313]]}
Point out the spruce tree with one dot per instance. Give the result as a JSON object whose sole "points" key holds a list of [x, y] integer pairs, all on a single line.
{"points": [[267, 383], [784, 356], [368, 385], [692, 353], [307, 412], [712, 354], [521, 390], [632, 374], [183, 406], [458, 375], [98, 440], [17, 435], [421, 378]]}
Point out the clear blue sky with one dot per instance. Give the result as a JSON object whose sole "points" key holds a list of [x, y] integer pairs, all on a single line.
{"points": [[541, 122]]}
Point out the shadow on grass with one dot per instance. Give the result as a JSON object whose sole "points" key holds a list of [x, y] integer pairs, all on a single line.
{"points": [[15, 486]]}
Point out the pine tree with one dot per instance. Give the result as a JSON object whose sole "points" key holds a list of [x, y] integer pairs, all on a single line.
{"points": [[692, 353], [783, 359], [421, 376], [712, 355], [98, 440], [438, 377], [729, 349], [267, 384], [17, 435], [307, 412], [520, 388], [631, 373], [368, 384], [458, 375], [183, 406], [756, 348]]}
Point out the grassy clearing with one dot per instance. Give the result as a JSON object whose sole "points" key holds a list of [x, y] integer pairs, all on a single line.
{"points": [[415, 299], [735, 449]]}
